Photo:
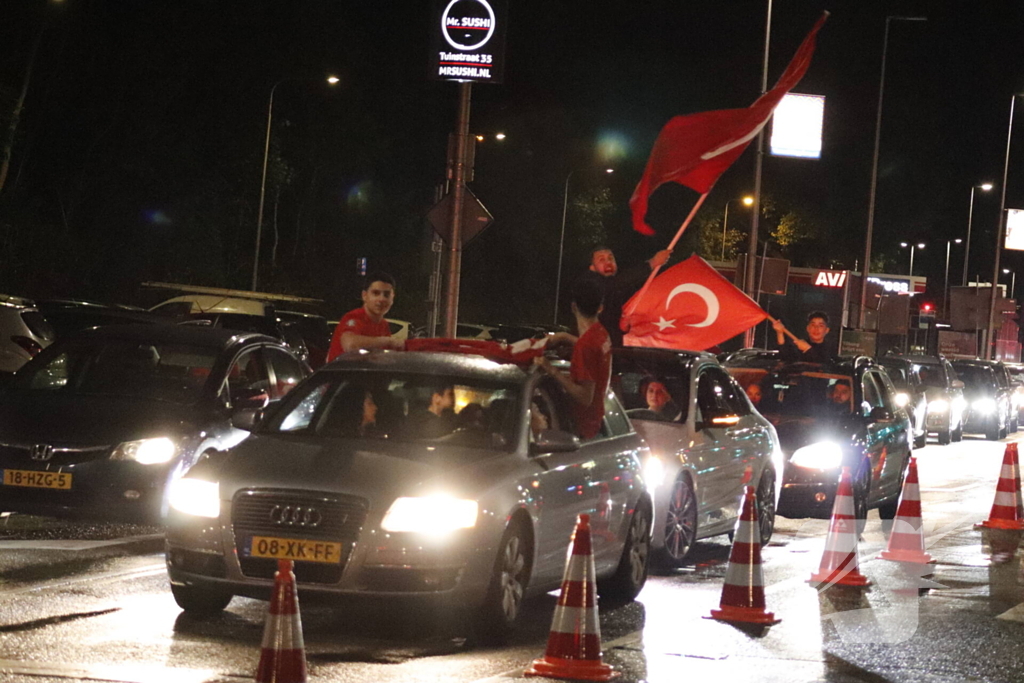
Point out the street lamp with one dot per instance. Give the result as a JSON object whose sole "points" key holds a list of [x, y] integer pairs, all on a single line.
{"points": [[945, 280], [984, 187], [561, 241], [1013, 281], [747, 201], [331, 80], [1000, 234], [866, 268], [919, 245]]}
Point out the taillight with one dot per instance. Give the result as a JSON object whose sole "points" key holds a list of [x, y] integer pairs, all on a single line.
{"points": [[30, 345]]}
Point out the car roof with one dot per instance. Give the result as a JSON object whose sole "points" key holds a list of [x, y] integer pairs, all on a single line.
{"points": [[15, 301], [217, 337], [428, 363], [661, 355], [916, 358]]}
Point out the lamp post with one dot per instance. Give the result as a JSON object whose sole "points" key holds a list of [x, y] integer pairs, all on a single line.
{"points": [[332, 80], [984, 187], [866, 267], [561, 240], [1013, 281], [1000, 232], [747, 201], [919, 245], [945, 280]]}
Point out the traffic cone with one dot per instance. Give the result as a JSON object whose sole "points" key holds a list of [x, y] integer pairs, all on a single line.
{"points": [[1007, 508], [743, 592], [574, 644], [839, 563], [906, 542], [283, 655]]}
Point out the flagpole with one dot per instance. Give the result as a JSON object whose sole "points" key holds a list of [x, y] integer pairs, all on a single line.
{"points": [[671, 246], [748, 275]]}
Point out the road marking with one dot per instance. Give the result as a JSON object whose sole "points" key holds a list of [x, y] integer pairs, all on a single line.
{"points": [[73, 545]]}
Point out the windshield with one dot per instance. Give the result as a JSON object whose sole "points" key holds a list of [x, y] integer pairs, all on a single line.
{"points": [[166, 372], [930, 375], [977, 378], [800, 394], [402, 407]]}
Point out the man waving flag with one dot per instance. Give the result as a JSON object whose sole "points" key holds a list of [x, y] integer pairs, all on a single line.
{"points": [[690, 306], [695, 150]]}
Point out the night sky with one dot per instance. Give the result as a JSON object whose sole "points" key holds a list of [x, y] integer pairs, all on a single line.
{"points": [[138, 154]]}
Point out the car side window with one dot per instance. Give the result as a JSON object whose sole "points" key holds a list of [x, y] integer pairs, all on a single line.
{"points": [[615, 416], [714, 390], [950, 372], [886, 389], [287, 371], [247, 376], [871, 393]]}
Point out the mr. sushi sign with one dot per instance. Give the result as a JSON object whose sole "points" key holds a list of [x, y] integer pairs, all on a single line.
{"points": [[468, 40]]}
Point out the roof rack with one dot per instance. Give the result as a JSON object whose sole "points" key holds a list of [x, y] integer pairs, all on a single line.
{"points": [[236, 293]]}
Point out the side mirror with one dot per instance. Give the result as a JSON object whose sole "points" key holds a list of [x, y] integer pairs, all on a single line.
{"points": [[248, 419], [957, 384], [880, 414], [554, 441]]}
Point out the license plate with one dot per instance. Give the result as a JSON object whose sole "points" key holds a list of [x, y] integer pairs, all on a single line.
{"points": [[295, 549], [37, 480]]}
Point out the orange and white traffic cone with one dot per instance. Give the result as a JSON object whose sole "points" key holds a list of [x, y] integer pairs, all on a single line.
{"points": [[743, 592], [283, 655], [1007, 508], [839, 563], [574, 644], [906, 542]]}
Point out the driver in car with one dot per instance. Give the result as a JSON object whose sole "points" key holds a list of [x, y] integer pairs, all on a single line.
{"points": [[840, 395]]}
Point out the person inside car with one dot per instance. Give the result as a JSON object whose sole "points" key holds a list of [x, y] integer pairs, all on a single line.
{"points": [[660, 401], [353, 412], [814, 349], [435, 419], [839, 395], [753, 390]]}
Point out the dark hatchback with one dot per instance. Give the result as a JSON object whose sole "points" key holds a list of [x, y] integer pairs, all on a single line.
{"points": [[988, 395], [97, 424], [828, 417]]}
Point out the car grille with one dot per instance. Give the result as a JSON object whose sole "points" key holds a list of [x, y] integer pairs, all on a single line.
{"points": [[334, 518], [56, 455]]}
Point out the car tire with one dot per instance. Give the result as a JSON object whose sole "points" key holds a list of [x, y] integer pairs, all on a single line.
{"points": [[199, 600], [945, 436], [958, 433], [1013, 425], [921, 441], [502, 605], [993, 433], [889, 508], [628, 580], [861, 493], [766, 505], [680, 531]]}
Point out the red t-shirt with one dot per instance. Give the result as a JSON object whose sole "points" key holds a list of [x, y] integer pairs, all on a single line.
{"points": [[357, 322], [592, 362]]}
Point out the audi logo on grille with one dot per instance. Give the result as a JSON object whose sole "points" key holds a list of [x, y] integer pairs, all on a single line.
{"points": [[295, 515], [41, 451]]}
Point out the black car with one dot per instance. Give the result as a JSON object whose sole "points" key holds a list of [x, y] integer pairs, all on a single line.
{"points": [[68, 316], [988, 396], [841, 414], [98, 423], [287, 332], [911, 394]]}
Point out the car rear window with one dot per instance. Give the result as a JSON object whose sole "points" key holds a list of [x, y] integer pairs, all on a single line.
{"points": [[39, 326]]}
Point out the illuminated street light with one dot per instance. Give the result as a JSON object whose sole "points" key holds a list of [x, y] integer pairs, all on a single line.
{"points": [[919, 245], [1013, 281], [332, 80], [984, 187], [747, 201]]}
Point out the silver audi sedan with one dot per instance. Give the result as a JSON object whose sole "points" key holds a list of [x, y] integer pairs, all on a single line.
{"points": [[443, 476]]}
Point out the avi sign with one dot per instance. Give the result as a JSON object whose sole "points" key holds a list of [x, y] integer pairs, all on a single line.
{"points": [[830, 278], [468, 40]]}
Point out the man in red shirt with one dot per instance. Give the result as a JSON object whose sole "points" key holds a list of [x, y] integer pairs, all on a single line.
{"points": [[590, 369], [365, 327]]}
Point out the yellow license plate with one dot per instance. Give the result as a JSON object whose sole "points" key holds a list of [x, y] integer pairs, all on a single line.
{"points": [[295, 549], [37, 480]]}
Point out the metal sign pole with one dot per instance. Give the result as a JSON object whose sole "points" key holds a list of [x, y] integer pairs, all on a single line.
{"points": [[458, 192]]}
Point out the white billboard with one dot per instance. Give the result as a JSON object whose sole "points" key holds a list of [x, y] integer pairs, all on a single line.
{"points": [[1015, 229], [796, 126]]}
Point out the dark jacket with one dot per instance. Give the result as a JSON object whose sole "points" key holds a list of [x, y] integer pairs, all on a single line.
{"points": [[818, 353], [617, 290]]}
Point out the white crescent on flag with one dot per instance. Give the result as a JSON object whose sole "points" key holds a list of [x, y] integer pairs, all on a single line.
{"points": [[704, 293]]}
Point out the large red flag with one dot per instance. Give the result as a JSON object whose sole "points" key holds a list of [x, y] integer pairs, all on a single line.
{"points": [[695, 150], [690, 306]]}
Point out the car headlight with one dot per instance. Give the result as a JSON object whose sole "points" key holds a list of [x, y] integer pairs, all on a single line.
{"points": [[902, 399], [654, 472], [146, 451], [985, 406], [823, 455], [195, 497], [430, 515], [939, 405]]}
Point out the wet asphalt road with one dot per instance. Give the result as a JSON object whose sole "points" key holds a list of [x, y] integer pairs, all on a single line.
{"points": [[90, 602]]}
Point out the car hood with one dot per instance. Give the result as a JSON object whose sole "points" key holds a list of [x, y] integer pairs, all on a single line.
{"points": [[796, 432], [375, 470], [39, 417]]}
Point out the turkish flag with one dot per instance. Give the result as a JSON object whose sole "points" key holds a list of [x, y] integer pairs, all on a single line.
{"points": [[695, 150], [690, 306]]}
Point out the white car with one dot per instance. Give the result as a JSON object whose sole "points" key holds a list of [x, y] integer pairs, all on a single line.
{"points": [[473, 331], [188, 304], [24, 332]]}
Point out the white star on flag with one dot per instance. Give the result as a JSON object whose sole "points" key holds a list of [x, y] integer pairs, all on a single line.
{"points": [[662, 323]]}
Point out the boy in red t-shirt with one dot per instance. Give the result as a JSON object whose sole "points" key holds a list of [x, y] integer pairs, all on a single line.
{"points": [[365, 327], [590, 369]]}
